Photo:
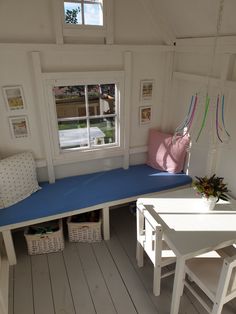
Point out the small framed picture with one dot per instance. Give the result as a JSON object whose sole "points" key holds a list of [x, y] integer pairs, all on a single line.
{"points": [[14, 97], [19, 126], [146, 90], [145, 115]]}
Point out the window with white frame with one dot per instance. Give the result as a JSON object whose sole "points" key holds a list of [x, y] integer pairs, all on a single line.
{"points": [[85, 21], [84, 12], [86, 114]]}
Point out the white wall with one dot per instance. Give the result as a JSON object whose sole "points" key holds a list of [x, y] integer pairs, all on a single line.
{"points": [[147, 62], [191, 18], [208, 155], [33, 26], [16, 70], [226, 162], [26, 21], [33, 21]]}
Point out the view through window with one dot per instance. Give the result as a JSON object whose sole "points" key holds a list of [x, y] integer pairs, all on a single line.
{"points": [[86, 115], [84, 12]]}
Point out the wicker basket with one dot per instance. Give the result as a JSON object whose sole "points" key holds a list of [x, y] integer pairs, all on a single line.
{"points": [[84, 231], [45, 243]]}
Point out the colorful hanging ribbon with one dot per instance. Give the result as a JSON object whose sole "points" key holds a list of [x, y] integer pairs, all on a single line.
{"points": [[217, 119], [204, 116], [222, 114], [192, 115], [181, 127], [185, 126]]}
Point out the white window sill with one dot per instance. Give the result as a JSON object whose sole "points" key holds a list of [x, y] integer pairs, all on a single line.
{"points": [[71, 156], [84, 32]]}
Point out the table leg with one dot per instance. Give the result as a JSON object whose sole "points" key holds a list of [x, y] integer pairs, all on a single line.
{"points": [[178, 285], [9, 246], [139, 243], [106, 223]]}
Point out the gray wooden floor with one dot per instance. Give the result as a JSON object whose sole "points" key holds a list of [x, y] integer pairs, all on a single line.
{"points": [[98, 278]]}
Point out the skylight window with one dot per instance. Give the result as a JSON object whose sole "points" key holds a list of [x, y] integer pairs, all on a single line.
{"points": [[83, 12]]}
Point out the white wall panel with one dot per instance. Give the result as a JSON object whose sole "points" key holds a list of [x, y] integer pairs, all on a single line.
{"points": [[149, 66], [227, 152], [135, 24], [33, 21], [26, 21], [207, 146], [17, 68]]}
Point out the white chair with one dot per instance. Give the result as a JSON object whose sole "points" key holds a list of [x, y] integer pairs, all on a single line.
{"points": [[216, 277], [150, 240]]}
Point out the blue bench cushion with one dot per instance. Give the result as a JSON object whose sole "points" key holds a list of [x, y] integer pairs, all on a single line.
{"points": [[73, 193]]}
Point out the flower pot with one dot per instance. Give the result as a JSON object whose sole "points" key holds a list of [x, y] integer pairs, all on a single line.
{"points": [[210, 202]]}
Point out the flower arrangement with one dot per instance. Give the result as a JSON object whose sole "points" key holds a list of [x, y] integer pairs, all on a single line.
{"points": [[211, 187]]}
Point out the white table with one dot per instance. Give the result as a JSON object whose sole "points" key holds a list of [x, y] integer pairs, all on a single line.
{"points": [[79, 137], [189, 229]]}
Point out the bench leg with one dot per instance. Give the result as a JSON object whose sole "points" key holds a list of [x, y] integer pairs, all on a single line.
{"points": [[3, 308], [106, 223], [9, 246]]}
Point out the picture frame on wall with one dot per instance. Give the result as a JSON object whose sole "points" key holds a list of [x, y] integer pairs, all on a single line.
{"points": [[145, 115], [19, 126], [14, 98], [146, 90]]}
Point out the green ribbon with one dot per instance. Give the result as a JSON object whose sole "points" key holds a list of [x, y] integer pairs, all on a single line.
{"points": [[204, 116]]}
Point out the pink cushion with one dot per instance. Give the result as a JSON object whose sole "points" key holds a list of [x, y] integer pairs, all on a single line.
{"points": [[164, 154]]}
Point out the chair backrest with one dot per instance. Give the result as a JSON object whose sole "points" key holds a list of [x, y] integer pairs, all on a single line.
{"points": [[216, 277], [153, 238]]}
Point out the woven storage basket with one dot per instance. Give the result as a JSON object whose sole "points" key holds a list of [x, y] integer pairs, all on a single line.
{"points": [[45, 243], [84, 231]]}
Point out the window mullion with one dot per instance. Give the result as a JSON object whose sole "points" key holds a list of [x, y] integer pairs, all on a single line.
{"points": [[87, 114], [82, 13], [117, 111]]}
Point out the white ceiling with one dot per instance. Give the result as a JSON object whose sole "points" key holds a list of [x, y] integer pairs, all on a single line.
{"points": [[196, 18]]}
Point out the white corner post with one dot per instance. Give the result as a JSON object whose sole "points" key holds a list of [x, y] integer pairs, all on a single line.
{"points": [[41, 104], [167, 91], [127, 106], [3, 306], [58, 21], [110, 22]]}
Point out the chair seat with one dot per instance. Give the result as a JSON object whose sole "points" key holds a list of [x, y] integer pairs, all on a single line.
{"points": [[167, 255], [206, 273]]}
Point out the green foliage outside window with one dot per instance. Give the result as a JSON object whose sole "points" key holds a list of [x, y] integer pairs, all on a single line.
{"points": [[71, 16]]}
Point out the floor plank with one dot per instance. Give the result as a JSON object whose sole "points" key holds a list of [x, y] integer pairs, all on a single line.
{"points": [[79, 287], [134, 285], [23, 292], [116, 286], [60, 285], [11, 291], [99, 291], [43, 299]]}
